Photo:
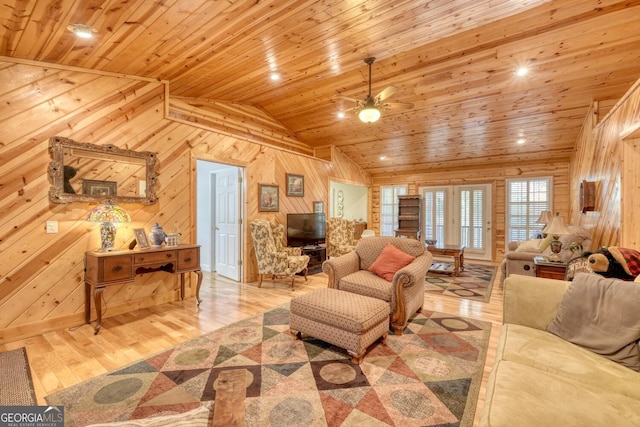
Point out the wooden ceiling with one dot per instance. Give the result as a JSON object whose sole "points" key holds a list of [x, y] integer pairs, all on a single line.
{"points": [[454, 59]]}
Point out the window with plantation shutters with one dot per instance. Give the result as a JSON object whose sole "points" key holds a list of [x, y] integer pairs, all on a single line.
{"points": [[526, 199], [472, 218], [434, 201], [389, 208]]}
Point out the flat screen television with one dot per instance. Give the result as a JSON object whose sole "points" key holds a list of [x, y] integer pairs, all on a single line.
{"points": [[307, 229]]}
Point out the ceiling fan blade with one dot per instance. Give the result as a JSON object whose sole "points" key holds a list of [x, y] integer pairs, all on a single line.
{"points": [[386, 92], [398, 105], [348, 98]]}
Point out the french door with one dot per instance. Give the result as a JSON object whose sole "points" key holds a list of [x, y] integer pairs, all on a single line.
{"points": [[459, 215]]}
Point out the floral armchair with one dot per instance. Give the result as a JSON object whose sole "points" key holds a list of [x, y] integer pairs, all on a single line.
{"points": [[272, 256], [339, 237]]}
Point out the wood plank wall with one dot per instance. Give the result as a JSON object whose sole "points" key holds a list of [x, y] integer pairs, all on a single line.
{"points": [[496, 176], [41, 275], [612, 162]]}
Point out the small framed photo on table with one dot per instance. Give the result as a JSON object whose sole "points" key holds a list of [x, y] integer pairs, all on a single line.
{"points": [[318, 206], [141, 237]]}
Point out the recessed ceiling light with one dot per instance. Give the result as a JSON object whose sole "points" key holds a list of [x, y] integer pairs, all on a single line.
{"points": [[82, 31], [383, 157], [522, 71], [341, 115], [275, 76], [521, 141]]}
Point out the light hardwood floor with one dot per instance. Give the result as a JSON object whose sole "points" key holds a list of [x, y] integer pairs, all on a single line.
{"points": [[66, 357]]}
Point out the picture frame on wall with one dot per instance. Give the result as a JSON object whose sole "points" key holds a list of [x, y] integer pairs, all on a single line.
{"points": [[268, 198], [99, 188], [141, 237], [318, 206], [295, 185]]}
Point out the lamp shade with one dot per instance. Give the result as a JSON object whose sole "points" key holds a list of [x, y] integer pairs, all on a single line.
{"points": [[108, 212], [108, 215], [557, 226], [544, 218]]}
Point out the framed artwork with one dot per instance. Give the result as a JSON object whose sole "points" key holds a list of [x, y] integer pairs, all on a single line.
{"points": [[268, 198], [295, 185], [318, 207], [141, 237], [99, 188]]}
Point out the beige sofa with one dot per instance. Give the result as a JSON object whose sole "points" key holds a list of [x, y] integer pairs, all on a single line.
{"points": [[540, 379], [519, 256]]}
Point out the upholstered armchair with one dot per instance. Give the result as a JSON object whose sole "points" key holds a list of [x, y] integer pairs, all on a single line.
{"points": [[272, 256], [404, 291], [339, 237], [519, 256]]}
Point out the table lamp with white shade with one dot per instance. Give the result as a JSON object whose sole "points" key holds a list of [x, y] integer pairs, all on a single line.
{"points": [[109, 215], [556, 228], [544, 218]]}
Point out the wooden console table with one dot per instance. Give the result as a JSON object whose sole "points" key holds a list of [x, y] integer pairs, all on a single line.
{"points": [[104, 269]]}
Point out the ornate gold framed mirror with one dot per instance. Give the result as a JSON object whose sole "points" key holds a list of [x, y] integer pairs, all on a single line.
{"points": [[84, 172]]}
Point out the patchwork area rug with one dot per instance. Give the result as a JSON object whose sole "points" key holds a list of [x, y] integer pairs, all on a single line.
{"points": [[16, 384], [430, 376], [474, 283]]}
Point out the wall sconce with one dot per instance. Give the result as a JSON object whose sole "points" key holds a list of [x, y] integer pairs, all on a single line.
{"points": [[587, 196]]}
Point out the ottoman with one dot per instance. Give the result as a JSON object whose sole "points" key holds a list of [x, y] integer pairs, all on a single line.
{"points": [[341, 318]]}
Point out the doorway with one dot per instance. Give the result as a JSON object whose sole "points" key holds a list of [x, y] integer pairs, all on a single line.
{"points": [[459, 215], [219, 218], [348, 201]]}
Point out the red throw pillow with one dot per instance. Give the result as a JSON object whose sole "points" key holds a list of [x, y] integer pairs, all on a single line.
{"points": [[391, 260]]}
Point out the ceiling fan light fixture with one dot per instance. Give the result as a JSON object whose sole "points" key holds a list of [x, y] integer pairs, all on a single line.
{"points": [[369, 114]]}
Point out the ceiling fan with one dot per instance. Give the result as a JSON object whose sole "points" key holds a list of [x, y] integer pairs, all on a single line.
{"points": [[369, 109]]}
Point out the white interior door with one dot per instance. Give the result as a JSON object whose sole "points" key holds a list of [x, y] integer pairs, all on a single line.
{"points": [[460, 215], [227, 223]]}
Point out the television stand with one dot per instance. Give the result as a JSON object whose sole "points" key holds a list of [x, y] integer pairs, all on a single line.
{"points": [[317, 255]]}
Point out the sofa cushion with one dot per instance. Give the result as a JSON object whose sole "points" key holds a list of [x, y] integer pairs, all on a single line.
{"points": [[577, 235], [390, 260], [529, 246], [544, 244], [601, 315], [366, 283], [549, 353], [518, 395]]}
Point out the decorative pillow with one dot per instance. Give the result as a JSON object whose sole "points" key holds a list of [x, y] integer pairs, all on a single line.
{"points": [[601, 315], [544, 244], [390, 260], [529, 246]]}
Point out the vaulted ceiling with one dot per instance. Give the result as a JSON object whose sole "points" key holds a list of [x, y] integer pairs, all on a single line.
{"points": [[455, 60]]}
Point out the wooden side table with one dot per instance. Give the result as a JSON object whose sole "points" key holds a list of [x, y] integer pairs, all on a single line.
{"points": [[550, 270], [454, 251]]}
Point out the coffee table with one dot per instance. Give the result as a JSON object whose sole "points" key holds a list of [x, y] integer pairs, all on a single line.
{"points": [[455, 251]]}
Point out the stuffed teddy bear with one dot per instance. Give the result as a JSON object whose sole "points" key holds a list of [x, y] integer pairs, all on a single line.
{"points": [[619, 263]]}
